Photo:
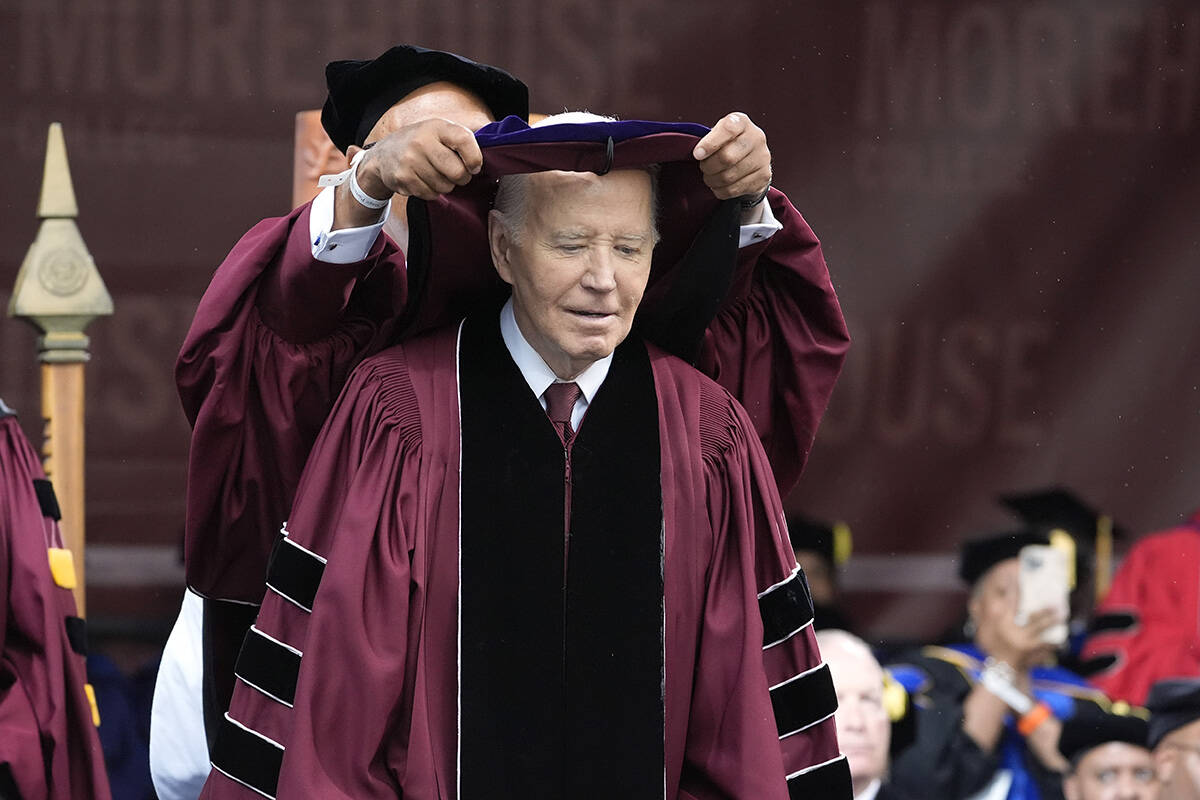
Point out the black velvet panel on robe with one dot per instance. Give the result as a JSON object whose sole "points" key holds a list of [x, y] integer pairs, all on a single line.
{"points": [[561, 669]]}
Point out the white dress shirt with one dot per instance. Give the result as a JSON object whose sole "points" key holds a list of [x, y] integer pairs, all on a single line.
{"points": [[538, 374], [178, 745]]}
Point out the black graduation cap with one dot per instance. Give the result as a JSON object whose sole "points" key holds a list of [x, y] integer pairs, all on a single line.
{"points": [[360, 92], [1092, 726], [832, 540], [1058, 508], [1173, 703], [980, 555]]}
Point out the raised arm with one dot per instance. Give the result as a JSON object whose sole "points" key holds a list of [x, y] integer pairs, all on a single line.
{"points": [[779, 340]]}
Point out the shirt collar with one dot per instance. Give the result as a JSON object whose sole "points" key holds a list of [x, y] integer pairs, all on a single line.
{"points": [[533, 367]]}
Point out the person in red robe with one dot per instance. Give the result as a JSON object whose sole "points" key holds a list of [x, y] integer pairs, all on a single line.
{"points": [[1147, 628], [473, 599], [49, 749]]}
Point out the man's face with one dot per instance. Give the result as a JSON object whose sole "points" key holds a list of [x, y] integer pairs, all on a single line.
{"points": [[863, 728], [579, 264], [1179, 749], [1113, 771]]}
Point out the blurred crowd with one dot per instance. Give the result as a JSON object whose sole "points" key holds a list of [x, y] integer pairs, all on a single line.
{"points": [[1065, 679]]}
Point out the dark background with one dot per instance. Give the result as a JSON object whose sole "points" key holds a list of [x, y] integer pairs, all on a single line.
{"points": [[1006, 191]]}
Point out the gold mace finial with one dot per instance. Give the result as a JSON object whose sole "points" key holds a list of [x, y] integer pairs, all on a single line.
{"points": [[58, 193], [59, 290]]}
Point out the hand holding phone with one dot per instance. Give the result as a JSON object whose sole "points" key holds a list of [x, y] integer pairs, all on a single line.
{"points": [[1044, 584]]}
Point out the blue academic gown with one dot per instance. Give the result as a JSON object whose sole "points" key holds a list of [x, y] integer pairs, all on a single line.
{"points": [[944, 762]]}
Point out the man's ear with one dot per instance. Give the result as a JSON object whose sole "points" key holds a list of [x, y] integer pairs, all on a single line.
{"points": [[1070, 787], [500, 243], [1164, 762]]}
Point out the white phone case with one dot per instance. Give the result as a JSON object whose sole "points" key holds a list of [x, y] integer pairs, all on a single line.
{"points": [[1043, 584]]}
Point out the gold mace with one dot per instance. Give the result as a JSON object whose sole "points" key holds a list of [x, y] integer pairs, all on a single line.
{"points": [[59, 291]]}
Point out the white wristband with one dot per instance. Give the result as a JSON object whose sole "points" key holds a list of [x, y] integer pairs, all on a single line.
{"points": [[356, 190], [995, 677], [362, 197]]}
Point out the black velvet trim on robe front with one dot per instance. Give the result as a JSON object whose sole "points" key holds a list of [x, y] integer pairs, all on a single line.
{"points": [[561, 647]]}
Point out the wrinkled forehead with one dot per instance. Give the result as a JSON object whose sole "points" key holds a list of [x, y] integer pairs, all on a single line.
{"points": [[562, 180]]}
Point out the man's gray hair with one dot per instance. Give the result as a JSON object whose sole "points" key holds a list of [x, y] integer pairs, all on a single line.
{"points": [[512, 193]]}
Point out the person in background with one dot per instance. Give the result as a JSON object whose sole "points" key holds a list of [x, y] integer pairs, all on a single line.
{"points": [[1147, 628], [1091, 535], [1107, 753], [821, 549], [990, 710], [1174, 735], [874, 719], [49, 747]]}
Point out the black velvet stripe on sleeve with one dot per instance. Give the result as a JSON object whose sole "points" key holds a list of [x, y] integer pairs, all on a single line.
{"points": [[829, 782], [294, 573], [8, 786], [247, 757], [803, 701], [785, 609], [77, 634], [47, 499], [1114, 622], [269, 666]]}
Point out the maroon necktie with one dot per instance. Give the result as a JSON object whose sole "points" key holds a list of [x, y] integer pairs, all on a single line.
{"points": [[560, 402]]}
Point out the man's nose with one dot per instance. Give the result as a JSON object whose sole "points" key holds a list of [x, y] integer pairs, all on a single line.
{"points": [[1128, 788], [853, 716], [601, 274]]}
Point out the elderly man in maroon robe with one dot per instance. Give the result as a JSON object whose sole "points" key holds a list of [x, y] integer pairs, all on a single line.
{"points": [[302, 299], [533, 555]]}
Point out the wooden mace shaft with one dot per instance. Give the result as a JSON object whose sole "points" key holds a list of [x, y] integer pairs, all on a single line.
{"points": [[63, 454]]}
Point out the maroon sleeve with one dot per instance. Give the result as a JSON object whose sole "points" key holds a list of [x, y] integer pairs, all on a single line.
{"points": [[322, 731], [48, 741], [272, 342], [759, 668], [779, 341], [1148, 626]]}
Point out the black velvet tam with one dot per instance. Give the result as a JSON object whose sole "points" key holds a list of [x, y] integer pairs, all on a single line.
{"points": [[360, 92], [1173, 703], [980, 555], [1091, 728]]}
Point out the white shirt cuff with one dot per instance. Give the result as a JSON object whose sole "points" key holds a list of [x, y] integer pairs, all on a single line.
{"points": [[762, 230], [344, 246]]}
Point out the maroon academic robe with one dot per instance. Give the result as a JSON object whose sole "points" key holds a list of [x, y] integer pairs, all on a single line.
{"points": [[1148, 626], [348, 684], [276, 334], [49, 749]]}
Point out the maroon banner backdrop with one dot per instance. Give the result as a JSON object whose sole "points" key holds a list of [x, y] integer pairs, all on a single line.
{"points": [[1007, 194]]}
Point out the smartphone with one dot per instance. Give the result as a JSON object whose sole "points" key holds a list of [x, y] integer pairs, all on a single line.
{"points": [[1044, 584]]}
